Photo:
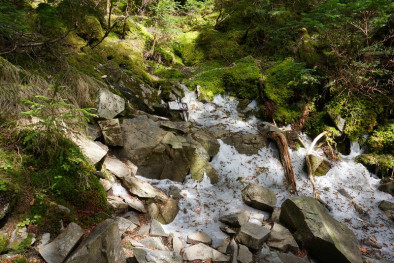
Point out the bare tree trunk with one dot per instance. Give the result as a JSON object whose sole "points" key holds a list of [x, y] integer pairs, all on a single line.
{"points": [[281, 142]]}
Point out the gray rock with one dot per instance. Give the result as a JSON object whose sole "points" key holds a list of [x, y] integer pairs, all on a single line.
{"points": [[290, 258], [143, 189], [165, 212], [320, 166], [338, 121], [244, 255], [120, 169], [267, 256], [275, 216], [4, 209], [107, 185], [203, 252], [45, 238], [235, 220], [156, 229], [234, 250], [144, 255], [109, 104], [281, 238], [388, 208], [90, 149], [178, 127], [17, 237], [133, 217], [373, 260], [387, 188], [177, 244], [228, 230], [224, 245], [112, 132], [259, 197], [62, 245], [248, 144], [199, 237], [325, 238], [124, 225], [208, 141], [144, 230], [103, 245], [63, 209], [252, 235], [154, 243], [117, 204], [93, 131]]}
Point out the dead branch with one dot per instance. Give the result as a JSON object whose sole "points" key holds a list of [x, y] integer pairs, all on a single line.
{"points": [[308, 162]]}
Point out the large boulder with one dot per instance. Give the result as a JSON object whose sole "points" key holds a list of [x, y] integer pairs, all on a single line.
{"points": [[62, 245], [324, 237], [259, 197], [103, 245], [162, 154], [112, 132], [109, 105]]}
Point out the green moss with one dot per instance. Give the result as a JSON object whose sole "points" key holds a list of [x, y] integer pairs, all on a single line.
{"points": [[287, 85], [3, 243], [382, 139], [383, 164], [90, 28], [168, 73], [360, 113], [24, 245], [188, 49]]}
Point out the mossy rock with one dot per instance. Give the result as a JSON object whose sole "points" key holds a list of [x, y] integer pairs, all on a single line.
{"points": [[380, 164], [382, 139], [90, 29], [188, 49]]}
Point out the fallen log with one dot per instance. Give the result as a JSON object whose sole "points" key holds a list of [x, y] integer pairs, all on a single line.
{"points": [[280, 139]]}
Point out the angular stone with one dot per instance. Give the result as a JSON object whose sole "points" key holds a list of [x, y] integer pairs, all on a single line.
{"points": [[117, 204], [177, 244], [90, 149], [228, 230], [388, 208], [109, 104], [168, 211], [112, 132], [119, 168], [248, 144], [62, 245], [244, 255], [234, 250], [133, 217], [199, 237], [178, 127], [18, 235], [338, 121], [281, 238], [259, 197], [252, 235], [224, 245], [107, 185], [144, 230], [208, 141], [124, 224], [144, 255], [320, 166], [119, 191], [203, 252], [387, 188], [102, 245], [236, 220], [93, 131], [156, 229], [324, 237], [154, 243], [143, 189]]}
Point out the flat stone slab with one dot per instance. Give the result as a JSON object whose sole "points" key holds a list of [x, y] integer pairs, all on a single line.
{"points": [[144, 255], [281, 238], [236, 220], [259, 197], [156, 229], [62, 245], [109, 104], [202, 252], [244, 255], [252, 235], [199, 237]]}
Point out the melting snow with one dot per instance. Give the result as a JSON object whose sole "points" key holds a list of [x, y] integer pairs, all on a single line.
{"points": [[204, 203]]}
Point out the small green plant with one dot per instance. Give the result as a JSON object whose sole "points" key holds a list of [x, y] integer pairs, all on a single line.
{"points": [[6, 167], [3, 186]]}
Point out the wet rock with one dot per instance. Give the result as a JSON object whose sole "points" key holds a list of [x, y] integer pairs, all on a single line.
{"points": [[320, 166], [252, 235], [62, 245], [388, 208], [324, 237], [235, 220], [244, 255], [112, 132], [199, 237], [144, 255], [248, 144], [102, 245], [109, 104], [259, 197], [387, 188], [154, 243], [156, 229], [203, 252], [281, 238]]}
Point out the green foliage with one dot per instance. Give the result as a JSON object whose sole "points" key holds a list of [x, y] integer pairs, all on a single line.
{"points": [[289, 84], [3, 243], [55, 118], [382, 139], [188, 49], [383, 162]]}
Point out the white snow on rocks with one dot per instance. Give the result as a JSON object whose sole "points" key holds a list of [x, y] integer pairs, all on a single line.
{"points": [[203, 203]]}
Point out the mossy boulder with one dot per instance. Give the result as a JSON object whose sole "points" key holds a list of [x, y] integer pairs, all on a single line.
{"points": [[320, 166], [380, 164], [90, 29], [324, 237], [188, 49], [382, 139]]}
